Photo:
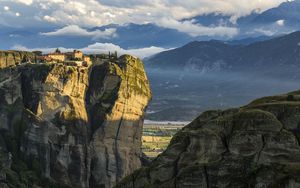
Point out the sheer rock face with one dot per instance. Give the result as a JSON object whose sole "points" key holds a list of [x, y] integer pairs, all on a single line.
{"points": [[12, 58], [253, 146], [82, 124]]}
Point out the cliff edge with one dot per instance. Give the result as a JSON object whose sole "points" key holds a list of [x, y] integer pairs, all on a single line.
{"points": [[253, 146], [70, 126]]}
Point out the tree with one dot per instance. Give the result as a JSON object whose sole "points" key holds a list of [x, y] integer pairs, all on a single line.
{"points": [[38, 53], [57, 51]]}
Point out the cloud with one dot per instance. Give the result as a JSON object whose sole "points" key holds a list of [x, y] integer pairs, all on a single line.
{"points": [[98, 48], [93, 13], [74, 30], [26, 2], [128, 3], [8, 11], [264, 31], [229, 7], [49, 19], [280, 22], [106, 47], [195, 30]]}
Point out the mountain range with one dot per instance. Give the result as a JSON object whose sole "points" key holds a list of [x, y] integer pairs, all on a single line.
{"points": [[251, 28], [272, 56], [203, 75]]}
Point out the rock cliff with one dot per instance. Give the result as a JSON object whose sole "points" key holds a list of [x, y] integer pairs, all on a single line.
{"points": [[71, 126], [253, 146], [12, 58]]}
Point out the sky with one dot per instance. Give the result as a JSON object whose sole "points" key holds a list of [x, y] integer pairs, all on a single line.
{"points": [[73, 17], [91, 13]]}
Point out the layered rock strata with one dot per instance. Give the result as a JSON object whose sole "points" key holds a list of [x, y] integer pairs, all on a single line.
{"points": [[253, 146], [81, 125]]}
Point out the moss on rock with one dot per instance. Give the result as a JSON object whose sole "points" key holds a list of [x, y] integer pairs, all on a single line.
{"points": [[258, 147]]}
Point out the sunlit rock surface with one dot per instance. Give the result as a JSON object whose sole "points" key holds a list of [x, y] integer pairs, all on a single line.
{"points": [[81, 125], [12, 58], [253, 146]]}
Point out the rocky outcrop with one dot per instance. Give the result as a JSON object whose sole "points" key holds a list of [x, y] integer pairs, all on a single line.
{"points": [[74, 126], [253, 146], [12, 58]]}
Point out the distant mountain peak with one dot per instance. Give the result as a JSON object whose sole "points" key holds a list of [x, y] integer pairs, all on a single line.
{"points": [[257, 56]]}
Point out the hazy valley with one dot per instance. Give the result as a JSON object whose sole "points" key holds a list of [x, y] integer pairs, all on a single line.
{"points": [[215, 75]]}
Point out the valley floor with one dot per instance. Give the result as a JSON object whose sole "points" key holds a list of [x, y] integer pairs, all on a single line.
{"points": [[157, 136]]}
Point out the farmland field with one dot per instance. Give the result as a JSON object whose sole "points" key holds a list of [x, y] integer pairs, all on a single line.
{"points": [[156, 137]]}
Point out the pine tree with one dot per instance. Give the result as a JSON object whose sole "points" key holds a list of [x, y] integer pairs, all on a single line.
{"points": [[57, 51]]}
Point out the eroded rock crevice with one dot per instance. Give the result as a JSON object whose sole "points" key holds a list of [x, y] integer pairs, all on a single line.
{"points": [[80, 122], [252, 146]]}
